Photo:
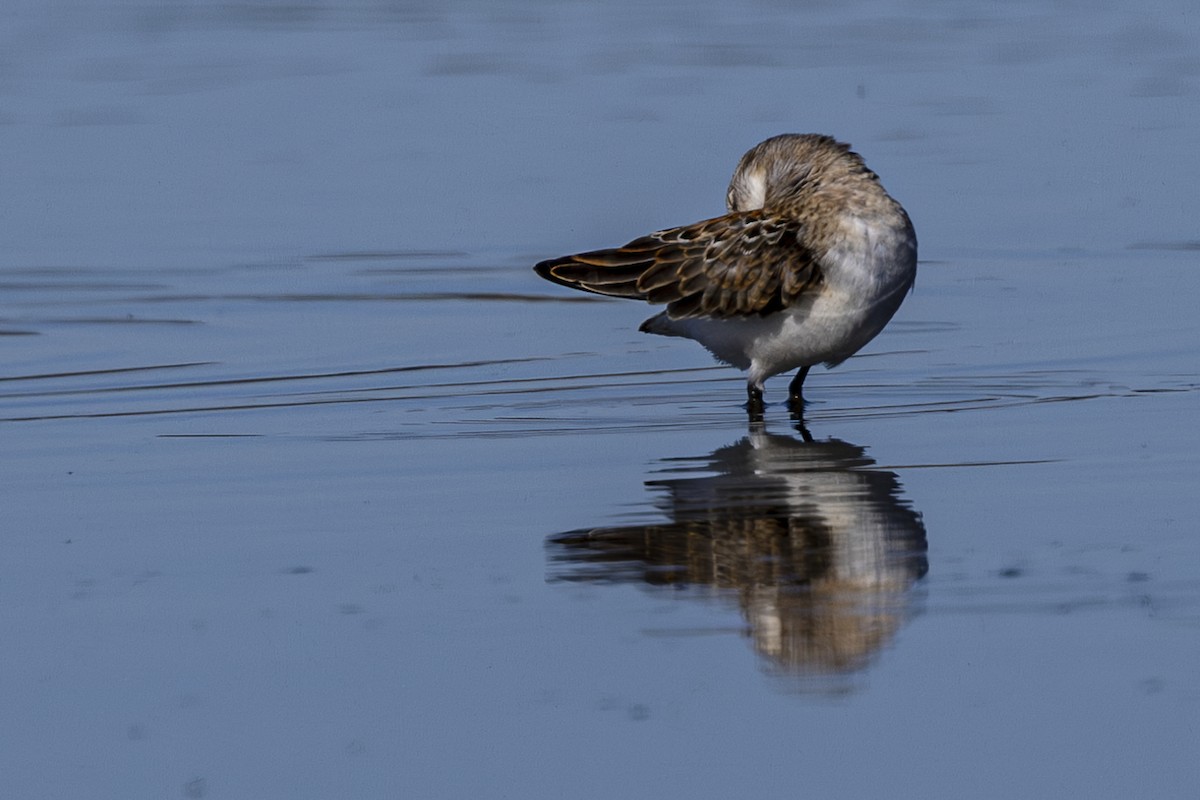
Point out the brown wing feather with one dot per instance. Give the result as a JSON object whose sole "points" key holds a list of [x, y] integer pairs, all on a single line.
{"points": [[736, 265]]}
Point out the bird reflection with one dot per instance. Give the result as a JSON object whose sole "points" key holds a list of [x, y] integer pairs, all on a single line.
{"points": [[819, 549]]}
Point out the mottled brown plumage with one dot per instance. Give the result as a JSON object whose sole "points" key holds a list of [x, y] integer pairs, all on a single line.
{"points": [[746, 262]]}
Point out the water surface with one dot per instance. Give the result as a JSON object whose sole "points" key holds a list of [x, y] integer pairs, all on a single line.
{"points": [[313, 489]]}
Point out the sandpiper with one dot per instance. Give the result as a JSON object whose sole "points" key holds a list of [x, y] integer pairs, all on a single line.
{"points": [[810, 263]]}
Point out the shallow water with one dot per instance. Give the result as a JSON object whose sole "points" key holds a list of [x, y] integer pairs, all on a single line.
{"points": [[313, 489]]}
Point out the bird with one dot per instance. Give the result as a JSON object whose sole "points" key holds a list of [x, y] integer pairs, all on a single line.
{"points": [[810, 262]]}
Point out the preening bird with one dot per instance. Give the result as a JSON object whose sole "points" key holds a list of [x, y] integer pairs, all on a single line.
{"points": [[810, 263]]}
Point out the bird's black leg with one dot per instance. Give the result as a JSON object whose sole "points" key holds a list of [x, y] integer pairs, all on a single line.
{"points": [[754, 402], [796, 391], [796, 404]]}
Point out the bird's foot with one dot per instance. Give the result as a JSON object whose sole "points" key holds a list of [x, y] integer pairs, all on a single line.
{"points": [[754, 403], [796, 389]]}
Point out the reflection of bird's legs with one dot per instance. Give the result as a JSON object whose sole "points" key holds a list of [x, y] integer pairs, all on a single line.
{"points": [[801, 428], [754, 402], [796, 402], [796, 391]]}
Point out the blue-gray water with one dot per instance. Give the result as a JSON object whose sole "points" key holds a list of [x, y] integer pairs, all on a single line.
{"points": [[312, 489]]}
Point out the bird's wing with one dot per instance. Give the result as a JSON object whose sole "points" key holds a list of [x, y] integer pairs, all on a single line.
{"points": [[740, 264]]}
